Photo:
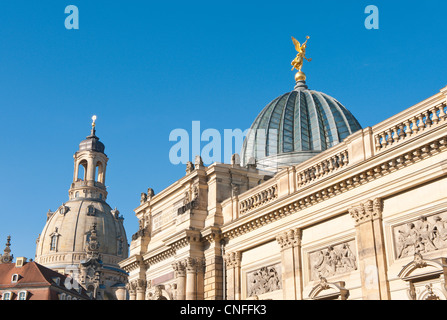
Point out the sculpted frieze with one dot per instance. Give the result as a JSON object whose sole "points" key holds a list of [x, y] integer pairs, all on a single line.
{"points": [[422, 235], [264, 280], [333, 260]]}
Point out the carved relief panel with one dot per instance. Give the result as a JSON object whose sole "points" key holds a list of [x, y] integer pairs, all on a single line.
{"points": [[333, 260], [421, 235], [264, 280]]}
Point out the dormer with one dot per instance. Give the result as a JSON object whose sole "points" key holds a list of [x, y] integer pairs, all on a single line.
{"points": [[20, 262]]}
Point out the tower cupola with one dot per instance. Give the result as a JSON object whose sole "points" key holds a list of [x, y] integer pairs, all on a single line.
{"points": [[90, 163]]}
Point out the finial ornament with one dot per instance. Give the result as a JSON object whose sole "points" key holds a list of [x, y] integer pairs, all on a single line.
{"points": [[297, 63], [93, 125], [7, 257]]}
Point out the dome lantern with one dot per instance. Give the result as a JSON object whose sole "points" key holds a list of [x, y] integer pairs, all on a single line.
{"points": [[297, 125]]}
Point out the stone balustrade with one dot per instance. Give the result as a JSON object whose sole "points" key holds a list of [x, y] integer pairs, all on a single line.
{"points": [[422, 120], [83, 183], [258, 199], [321, 168]]}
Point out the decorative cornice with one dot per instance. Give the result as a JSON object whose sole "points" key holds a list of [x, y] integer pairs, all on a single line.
{"points": [[159, 257], [181, 240], [370, 174], [211, 235], [131, 263]]}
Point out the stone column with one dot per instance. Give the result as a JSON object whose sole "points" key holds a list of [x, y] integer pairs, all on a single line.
{"points": [[191, 279], [90, 174], [76, 171], [290, 243], [131, 287], [141, 289], [180, 275], [371, 249], [233, 265]]}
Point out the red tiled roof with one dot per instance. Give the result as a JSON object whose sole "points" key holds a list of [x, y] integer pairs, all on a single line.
{"points": [[33, 276]]}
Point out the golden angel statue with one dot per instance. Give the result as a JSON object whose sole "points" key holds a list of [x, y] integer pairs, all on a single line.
{"points": [[297, 63]]}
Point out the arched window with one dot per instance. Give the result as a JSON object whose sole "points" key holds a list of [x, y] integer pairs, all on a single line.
{"points": [[6, 296], [15, 278], [54, 238], [82, 170], [22, 295], [99, 172]]}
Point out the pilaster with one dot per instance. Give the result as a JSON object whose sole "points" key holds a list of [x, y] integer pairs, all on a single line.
{"points": [[180, 275], [233, 281], [213, 276], [371, 249], [290, 243]]}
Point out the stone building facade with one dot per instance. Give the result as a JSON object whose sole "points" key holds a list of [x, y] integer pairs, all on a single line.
{"points": [[364, 218]]}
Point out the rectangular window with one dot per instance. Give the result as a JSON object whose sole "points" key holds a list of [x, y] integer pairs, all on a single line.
{"points": [[53, 243]]}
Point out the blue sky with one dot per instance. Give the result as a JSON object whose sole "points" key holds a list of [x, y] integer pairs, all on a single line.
{"points": [[146, 68]]}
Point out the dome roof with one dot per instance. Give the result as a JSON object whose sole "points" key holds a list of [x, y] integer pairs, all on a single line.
{"points": [[72, 223], [296, 126], [92, 143]]}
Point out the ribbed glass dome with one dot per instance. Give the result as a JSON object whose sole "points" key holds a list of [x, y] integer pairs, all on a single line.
{"points": [[296, 126]]}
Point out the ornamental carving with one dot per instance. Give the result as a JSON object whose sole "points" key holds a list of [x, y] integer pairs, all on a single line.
{"points": [[144, 227], [329, 291], [367, 211], [179, 268], [161, 292], [264, 280], [190, 200], [188, 265], [92, 246], [150, 193], [289, 239], [423, 235], [333, 260], [143, 198], [189, 167], [258, 199], [233, 259], [7, 257], [63, 209]]}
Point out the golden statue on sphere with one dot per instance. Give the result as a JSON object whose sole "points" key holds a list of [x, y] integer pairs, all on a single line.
{"points": [[297, 63]]}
